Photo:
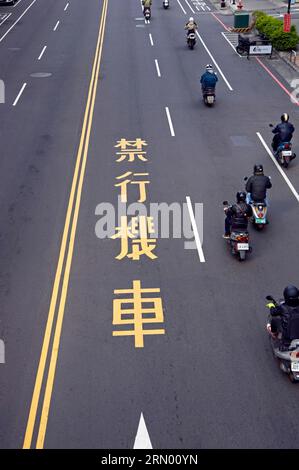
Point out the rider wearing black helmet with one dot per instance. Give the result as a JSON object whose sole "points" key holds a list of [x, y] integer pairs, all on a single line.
{"points": [[286, 316], [283, 132], [237, 215], [257, 185]]}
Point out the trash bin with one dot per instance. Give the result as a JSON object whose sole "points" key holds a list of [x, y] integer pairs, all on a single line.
{"points": [[241, 19]]}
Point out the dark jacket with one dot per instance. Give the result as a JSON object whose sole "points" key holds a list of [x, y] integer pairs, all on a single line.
{"points": [[285, 131], [238, 214], [257, 186], [289, 317], [209, 80]]}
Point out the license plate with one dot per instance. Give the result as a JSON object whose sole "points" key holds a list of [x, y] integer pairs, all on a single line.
{"points": [[260, 221], [243, 246], [210, 99], [287, 153], [295, 366]]}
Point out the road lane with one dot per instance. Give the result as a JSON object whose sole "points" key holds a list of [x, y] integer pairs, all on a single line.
{"points": [[36, 174], [215, 352]]}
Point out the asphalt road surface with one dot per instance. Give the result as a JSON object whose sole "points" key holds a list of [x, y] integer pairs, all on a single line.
{"points": [[205, 376]]}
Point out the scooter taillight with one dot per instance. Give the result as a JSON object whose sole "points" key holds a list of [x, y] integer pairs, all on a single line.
{"points": [[287, 146], [297, 354], [242, 238], [261, 215]]}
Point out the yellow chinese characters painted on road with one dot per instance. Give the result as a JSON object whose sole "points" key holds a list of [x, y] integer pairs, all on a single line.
{"points": [[124, 186], [135, 309], [143, 245], [131, 149]]}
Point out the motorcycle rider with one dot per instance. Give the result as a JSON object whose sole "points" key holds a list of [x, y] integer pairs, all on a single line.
{"points": [[237, 215], [191, 26], [209, 78], [282, 316], [257, 185], [146, 4], [283, 132]]}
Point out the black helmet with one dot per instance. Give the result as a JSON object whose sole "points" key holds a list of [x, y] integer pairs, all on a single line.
{"points": [[258, 169], [284, 117], [291, 295], [241, 196]]}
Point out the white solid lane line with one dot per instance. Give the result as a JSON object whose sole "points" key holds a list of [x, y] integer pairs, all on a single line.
{"points": [[190, 6], [16, 22], [19, 95], [278, 166], [56, 26], [142, 439], [170, 122], [158, 68], [195, 231], [151, 39], [184, 11], [66, 6], [42, 53], [214, 61]]}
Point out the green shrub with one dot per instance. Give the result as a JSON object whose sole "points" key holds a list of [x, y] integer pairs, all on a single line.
{"points": [[272, 28]]}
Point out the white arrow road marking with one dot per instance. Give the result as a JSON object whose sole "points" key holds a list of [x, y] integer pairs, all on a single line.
{"points": [[278, 166], [142, 439]]}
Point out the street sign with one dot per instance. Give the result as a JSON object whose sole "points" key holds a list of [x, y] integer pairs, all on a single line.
{"points": [[287, 23], [262, 49]]}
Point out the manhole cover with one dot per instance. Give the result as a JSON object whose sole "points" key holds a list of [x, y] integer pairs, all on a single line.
{"points": [[40, 75]]}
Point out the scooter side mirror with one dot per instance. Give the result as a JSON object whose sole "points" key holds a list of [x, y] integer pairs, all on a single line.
{"points": [[271, 125], [269, 297], [245, 178], [225, 203]]}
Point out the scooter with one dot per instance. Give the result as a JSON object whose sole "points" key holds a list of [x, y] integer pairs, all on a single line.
{"points": [[284, 153], [259, 213], [165, 4], [244, 44], [239, 240], [209, 96], [147, 13], [191, 40], [287, 356]]}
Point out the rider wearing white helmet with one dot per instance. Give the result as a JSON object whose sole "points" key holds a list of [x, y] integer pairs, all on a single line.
{"points": [[191, 25]]}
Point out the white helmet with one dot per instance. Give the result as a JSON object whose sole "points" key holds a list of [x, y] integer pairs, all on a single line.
{"points": [[191, 19], [209, 68]]}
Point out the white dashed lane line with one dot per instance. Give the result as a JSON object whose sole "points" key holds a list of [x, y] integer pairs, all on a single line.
{"points": [[19, 95]]}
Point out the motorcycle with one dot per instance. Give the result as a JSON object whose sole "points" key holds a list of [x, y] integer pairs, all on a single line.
{"points": [[191, 40], [284, 153], [209, 96], [287, 356], [259, 213], [165, 4], [147, 13], [244, 44], [239, 240]]}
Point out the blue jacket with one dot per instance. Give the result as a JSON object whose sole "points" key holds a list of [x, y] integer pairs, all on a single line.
{"points": [[209, 79]]}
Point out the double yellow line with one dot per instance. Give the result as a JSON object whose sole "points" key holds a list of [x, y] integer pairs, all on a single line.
{"points": [[61, 282]]}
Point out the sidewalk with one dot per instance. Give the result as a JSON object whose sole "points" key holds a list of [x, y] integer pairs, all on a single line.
{"points": [[252, 5]]}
